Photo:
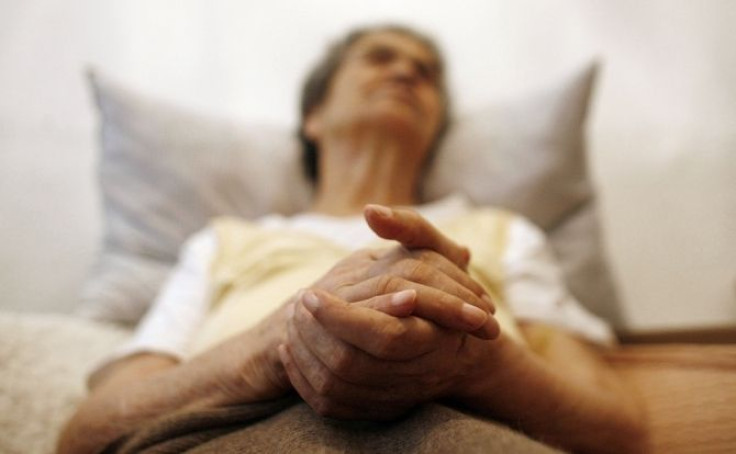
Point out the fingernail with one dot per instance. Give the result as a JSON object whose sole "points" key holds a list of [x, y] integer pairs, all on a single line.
{"points": [[474, 316], [491, 328], [381, 210], [310, 300], [283, 353], [403, 297], [488, 300]]}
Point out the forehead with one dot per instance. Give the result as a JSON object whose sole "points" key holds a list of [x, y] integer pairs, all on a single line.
{"points": [[396, 41]]}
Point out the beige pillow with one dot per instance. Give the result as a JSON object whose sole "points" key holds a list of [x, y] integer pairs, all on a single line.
{"points": [[165, 171]]}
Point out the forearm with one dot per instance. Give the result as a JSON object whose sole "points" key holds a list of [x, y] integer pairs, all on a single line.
{"points": [[242, 369], [573, 406], [125, 404]]}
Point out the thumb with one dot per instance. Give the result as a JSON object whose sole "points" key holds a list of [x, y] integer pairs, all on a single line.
{"points": [[413, 231]]}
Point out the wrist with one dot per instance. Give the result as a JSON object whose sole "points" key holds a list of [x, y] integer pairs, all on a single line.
{"points": [[252, 369], [492, 366]]}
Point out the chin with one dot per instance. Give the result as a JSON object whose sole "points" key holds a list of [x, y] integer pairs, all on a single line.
{"points": [[404, 122]]}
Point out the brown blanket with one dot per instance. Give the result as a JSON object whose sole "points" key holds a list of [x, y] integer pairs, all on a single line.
{"points": [[288, 425]]}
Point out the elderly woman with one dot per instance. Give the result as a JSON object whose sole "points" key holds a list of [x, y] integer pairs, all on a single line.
{"points": [[258, 311]]}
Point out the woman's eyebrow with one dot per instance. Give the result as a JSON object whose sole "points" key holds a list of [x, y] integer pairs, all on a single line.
{"points": [[380, 48], [430, 64]]}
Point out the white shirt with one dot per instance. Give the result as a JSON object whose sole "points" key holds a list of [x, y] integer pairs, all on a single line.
{"points": [[534, 287]]}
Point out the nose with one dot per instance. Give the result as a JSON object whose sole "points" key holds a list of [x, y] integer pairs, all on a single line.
{"points": [[404, 69]]}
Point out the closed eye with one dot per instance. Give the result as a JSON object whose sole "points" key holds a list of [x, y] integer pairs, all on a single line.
{"points": [[429, 72], [384, 55], [380, 55]]}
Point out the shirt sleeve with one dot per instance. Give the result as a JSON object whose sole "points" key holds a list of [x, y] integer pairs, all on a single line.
{"points": [[535, 288], [180, 307]]}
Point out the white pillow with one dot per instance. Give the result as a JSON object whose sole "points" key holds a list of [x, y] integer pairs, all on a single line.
{"points": [[165, 171], [524, 154]]}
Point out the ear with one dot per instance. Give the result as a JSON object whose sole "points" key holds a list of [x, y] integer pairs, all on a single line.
{"points": [[313, 124]]}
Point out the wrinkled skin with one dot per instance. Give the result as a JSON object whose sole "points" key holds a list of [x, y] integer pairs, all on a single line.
{"points": [[355, 349]]}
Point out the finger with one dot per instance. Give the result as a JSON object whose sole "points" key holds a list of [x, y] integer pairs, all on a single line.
{"points": [[399, 304], [414, 232], [405, 303], [323, 383], [432, 304], [352, 268], [371, 331], [322, 378], [305, 389], [454, 272], [309, 366], [375, 405], [431, 269], [350, 363]]}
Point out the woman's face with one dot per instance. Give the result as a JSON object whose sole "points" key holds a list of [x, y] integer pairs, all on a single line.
{"points": [[387, 81]]}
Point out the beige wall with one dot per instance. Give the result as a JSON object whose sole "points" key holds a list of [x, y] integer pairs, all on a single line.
{"points": [[663, 131], [664, 143]]}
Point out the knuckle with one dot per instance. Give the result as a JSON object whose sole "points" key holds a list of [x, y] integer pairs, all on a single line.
{"points": [[411, 268], [448, 300], [427, 255], [387, 283], [342, 361], [391, 340], [412, 234], [324, 382]]}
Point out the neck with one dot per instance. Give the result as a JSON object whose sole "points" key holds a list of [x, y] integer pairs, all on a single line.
{"points": [[354, 173]]}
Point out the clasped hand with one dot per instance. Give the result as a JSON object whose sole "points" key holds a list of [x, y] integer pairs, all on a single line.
{"points": [[385, 330]]}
